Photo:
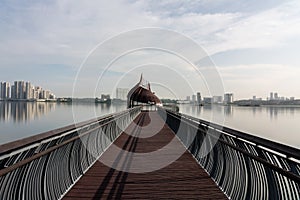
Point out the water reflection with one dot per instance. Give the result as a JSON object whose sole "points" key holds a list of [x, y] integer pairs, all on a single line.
{"points": [[275, 111], [266, 121], [207, 107], [103, 106], [270, 112], [228, 110], [24, 111]]}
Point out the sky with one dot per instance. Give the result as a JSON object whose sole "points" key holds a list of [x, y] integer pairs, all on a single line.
{"points": [[254, 45]]}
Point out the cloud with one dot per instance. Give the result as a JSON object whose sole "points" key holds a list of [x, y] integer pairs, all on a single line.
{"points": [[65, 27], [225, 25], [75, 27], [173, 8], [64, 32], [269, 28]]}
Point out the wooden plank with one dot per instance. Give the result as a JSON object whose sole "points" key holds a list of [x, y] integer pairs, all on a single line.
{"points": [[183, 178]]}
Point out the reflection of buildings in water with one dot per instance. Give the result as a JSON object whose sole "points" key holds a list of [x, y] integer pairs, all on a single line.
{"points": [[119, 107], [4, 112], [24, 111], [207, 107], [107, 107], [228, 110], [256, 110], [213, 109], [188, 109], [253, 111], [197, 110], [217, 108], [292, 110], [103, 105], [273, 112]]}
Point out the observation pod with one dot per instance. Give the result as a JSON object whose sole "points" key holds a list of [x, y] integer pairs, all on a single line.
{"points": [[141, 94]]}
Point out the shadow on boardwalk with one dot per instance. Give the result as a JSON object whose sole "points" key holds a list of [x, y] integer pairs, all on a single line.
{"points": [[181, 179]]}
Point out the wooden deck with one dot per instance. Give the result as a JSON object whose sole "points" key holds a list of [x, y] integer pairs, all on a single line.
{"points": [[181, 179]]}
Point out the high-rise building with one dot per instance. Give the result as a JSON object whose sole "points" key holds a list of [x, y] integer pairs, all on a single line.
{"points": [[105, 97], [271, 96], [194, 98], [1, 90], [38, 92], [33, 92], [45, 94], [276, 96], [121, 93], [188, 98], [19, 90], [12, 92], [228, 98], [207, 100], [28, 91], [217, 99], [52, 96], [48, 94], [15, 90], [198, 98], [5, 90], [24, 90]]}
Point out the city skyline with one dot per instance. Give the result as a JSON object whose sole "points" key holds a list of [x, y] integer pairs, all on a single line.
{"points": [[228, 98], [23, 90], [8, 91], [253, 44]]}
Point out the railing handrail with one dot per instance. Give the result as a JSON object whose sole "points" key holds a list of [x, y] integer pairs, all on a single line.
{"points": [[47, 151], [242, 168], [288, 151], [48, 167], [276, 168], [27, 141]]}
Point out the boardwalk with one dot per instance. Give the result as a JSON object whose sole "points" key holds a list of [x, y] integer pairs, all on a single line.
{"points": [[182, 179]]}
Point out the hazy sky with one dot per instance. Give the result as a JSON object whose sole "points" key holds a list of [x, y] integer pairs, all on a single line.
{"points": [[254, 44]]}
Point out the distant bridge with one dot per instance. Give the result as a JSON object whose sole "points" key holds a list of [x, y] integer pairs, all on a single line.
{"points": [[63, 163]]}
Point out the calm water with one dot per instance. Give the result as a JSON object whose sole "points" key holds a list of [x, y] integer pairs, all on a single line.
{"points": [[281, 124], [23, 119], [19, 120]]}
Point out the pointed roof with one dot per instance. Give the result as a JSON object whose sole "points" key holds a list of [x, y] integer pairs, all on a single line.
{"points": [[142, 93]]}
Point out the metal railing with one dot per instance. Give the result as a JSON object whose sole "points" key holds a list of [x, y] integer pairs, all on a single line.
{"points": [[47, 165], [242, 165]]}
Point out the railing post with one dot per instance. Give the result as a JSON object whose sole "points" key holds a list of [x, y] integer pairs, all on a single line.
{"points": [[46, 168], [242, 168]]}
